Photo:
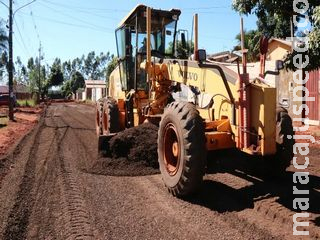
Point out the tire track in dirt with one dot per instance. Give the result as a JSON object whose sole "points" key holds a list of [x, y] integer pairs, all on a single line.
{"points": [[77, 224], [263, 203], [18, 219]]}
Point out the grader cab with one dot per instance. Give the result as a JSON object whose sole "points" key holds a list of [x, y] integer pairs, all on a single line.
{"points": [[226, 110]]}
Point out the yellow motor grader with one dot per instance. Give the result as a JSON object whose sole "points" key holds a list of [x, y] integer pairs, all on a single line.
{"points": [[200, 106]]}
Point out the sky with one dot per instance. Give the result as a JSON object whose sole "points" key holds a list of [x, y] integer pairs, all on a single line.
{"points": [[69, 29]]}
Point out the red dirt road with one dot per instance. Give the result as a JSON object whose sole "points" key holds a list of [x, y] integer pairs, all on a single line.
{"points": [[50, 192]]}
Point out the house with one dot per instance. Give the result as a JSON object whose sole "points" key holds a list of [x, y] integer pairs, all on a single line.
{"points": [[4, 89], [278, 49], [94, 90], [282, 80], [21, 91], [225, 56], [80, 94]]}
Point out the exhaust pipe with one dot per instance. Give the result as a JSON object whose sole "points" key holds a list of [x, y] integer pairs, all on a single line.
{"points": [[195, 19]]}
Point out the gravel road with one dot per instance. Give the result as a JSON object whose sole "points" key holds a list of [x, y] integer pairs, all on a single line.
{"points": [[49, 192]]}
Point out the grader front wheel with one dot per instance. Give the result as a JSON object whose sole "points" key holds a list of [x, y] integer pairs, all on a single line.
{"points": [[181, 148]]}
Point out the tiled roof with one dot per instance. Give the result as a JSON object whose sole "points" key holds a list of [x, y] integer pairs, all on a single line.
{"points": [[4, 89]]}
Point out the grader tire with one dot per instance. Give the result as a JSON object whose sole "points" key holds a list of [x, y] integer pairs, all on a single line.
{"points": [[99, 110], [276, 165], [181, 148], [110, 116]]}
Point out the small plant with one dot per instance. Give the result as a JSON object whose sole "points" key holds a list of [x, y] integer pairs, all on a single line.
{"points": [[26, 103]]}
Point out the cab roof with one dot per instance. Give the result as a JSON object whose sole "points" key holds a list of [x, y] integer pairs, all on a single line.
{"points": [[140, 9]]}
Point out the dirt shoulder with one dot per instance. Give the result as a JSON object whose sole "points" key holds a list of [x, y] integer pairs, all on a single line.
{"points": [[25, 120]]}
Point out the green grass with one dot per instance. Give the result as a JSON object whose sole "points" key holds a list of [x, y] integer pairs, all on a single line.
{"points": [[26, 103]]}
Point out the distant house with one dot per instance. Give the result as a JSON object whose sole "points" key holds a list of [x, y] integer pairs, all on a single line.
{"points": [[4, 90], [278, 49], [80, 94], [283, 80], [94, 89], [225, 56], [21, 91]]}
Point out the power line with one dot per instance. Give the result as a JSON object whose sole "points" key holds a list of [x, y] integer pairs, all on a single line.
{"points": [[35, 26], [77, 19], [71, 24], [4, 4], [21, 46], [85, 10], [204, 8], [25, 34], [24, 45]]}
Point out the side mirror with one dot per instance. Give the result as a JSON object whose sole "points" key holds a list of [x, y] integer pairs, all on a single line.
{"points": [[202, 55], [279, 65]]}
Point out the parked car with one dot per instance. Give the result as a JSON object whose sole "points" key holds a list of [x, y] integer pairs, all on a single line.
{"points": [[4, 100]]}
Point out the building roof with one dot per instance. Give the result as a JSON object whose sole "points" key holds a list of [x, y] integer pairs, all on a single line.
{"points": [[4, 89], [91, 83], [21, 88], [222, 56], [288, 43]]}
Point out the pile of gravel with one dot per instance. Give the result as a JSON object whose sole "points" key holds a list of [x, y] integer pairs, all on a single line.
{"points": [[133, 153]]}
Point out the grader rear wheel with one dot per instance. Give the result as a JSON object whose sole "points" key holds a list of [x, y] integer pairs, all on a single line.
{"points": [[181, 148], [110, 116], [276, 165], [99, 110]]}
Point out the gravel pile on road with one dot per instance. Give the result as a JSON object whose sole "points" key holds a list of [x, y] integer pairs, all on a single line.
{"points": [[133, 153]]}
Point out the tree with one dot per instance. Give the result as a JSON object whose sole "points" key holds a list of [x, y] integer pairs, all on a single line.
{"points": [[56, 76], [36, 77], [77, 81], [3, 37], [72, 85], [66, 89], [274, 16], [94, 67], [274, 19], [20, 72], [111, 66], [3, 49], [251, 42], [313, 51]]}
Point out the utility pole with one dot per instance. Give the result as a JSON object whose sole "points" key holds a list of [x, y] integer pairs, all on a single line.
{"points": [[10, 67], [10, 64]]}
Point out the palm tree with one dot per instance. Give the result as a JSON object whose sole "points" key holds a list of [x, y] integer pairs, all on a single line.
{"points": [[251, 42], [3, 47], [3, 37]]}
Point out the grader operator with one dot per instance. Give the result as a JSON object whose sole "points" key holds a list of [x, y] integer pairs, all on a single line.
{"points": [[229, 111]]}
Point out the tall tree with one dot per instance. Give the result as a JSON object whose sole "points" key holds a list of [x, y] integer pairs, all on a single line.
{"points": [[56, 76], [36, 76], [313, 51], [94, 66], [251, 42], [77, 81], [274, 19], [274, 16], [3, 37], [3, 49], [111, 66]]}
